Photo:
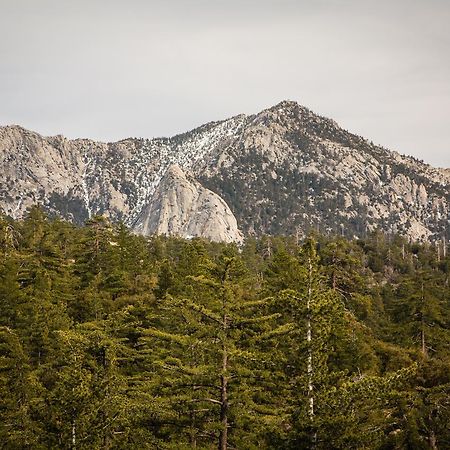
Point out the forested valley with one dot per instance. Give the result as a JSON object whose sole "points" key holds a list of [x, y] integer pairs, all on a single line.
{"points": [[109, 340]]}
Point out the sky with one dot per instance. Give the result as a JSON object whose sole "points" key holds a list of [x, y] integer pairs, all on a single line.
{"points": [[111, 69]]}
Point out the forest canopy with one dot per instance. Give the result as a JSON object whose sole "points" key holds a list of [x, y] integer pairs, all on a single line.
{"points": [[109, 340]]}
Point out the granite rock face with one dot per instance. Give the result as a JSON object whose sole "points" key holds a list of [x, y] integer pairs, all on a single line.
{"points": [[181, 206], [284, 170]]}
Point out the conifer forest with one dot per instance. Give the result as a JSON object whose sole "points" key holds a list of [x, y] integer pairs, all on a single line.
{"points": [[109, 340]]}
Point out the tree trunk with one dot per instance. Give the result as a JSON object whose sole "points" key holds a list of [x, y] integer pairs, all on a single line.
{"points": [[432, 440], [424, 346], [310, 358], [223, 438], [334, 281], [193, 437], [74, 435], [422, 325]]}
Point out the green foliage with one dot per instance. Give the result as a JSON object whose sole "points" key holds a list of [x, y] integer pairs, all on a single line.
{"points": [[111, 340]]}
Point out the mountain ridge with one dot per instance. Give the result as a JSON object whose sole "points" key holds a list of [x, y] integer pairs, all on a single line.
{"points": [[279, 171]]}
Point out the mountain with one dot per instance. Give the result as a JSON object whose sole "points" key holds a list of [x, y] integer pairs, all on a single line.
{"points": [[283, 170]]}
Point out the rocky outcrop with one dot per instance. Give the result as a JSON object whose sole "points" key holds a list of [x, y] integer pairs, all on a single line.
{"points": [[181, 206], [283, 170]]}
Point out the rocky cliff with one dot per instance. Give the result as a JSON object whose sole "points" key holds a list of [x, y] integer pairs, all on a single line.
{"points": [[181, 206], [282, 170]]}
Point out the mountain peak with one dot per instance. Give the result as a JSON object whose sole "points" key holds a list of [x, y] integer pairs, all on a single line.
{"points": [[287, 104], [283, 170]]}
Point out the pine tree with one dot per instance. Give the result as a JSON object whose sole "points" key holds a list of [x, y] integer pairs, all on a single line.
{"points": [[322, 399], [86, 397], [110, 340], [210, 357], [19, 395], [420, 309]]}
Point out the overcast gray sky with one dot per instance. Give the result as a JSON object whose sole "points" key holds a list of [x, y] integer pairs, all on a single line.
{"points": [[109, 69]]}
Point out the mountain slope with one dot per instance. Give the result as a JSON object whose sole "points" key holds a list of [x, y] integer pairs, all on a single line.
{"points": [[303, 171], [283, 170]]}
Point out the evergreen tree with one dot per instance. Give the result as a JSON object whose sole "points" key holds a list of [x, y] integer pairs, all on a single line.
{"points": [[19, 395], [111, 340], [210, 359]]}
